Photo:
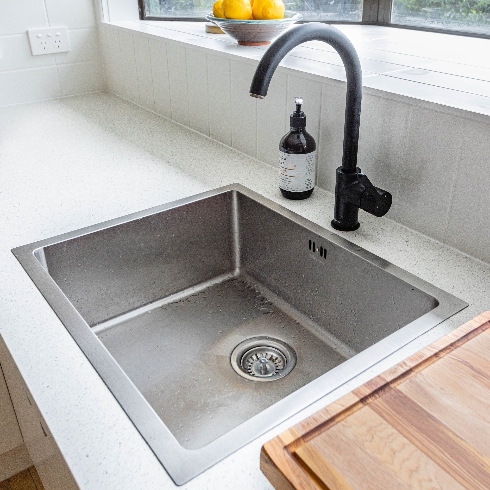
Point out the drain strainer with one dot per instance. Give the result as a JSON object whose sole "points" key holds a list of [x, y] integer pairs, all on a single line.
{"points": [[263, 359]]}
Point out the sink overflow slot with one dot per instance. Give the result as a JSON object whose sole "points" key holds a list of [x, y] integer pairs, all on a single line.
{"points": [[321, 251]]}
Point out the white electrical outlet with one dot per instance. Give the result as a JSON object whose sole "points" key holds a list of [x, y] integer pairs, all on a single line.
{"points": [[48, 41]]}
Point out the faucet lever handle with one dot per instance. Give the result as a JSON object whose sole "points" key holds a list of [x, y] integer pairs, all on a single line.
{"points": [[374, 200]]}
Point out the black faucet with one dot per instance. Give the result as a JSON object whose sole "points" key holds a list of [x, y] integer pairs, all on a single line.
{"points": [[353, 190]]}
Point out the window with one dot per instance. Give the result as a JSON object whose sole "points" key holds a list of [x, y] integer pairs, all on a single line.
{"points": [[459, 15], [312, 10], [462, 16]]}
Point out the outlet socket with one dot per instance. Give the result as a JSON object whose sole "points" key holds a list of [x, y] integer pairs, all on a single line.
{"points": [[49, 40]]}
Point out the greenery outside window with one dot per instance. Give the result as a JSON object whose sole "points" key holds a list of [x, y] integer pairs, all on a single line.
{"points": [[312, 10], [470, 17], [453, 15]]}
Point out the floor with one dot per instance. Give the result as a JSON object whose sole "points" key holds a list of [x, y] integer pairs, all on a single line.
{"points": [[25, 480]]}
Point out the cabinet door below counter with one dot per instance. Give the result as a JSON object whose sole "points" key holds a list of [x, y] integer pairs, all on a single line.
{"points": [[42, 449], [14, 457]]}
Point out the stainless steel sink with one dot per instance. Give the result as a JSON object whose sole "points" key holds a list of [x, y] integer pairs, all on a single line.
{"points": [[214, 318]]}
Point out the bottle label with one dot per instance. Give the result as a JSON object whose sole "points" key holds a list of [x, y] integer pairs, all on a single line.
{"points": [[297, 172]]}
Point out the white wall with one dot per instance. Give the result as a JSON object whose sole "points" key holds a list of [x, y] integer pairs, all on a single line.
{"points": [[27, 78], [434, 161]]}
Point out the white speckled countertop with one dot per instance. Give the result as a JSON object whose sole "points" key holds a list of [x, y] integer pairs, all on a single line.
{"points": [[73, 162]]}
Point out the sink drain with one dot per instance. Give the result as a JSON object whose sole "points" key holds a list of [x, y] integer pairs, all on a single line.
{"points": [[263, 359]]}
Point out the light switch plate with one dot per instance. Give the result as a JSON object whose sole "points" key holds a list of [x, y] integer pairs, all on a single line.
{"points": [[49, 40]]}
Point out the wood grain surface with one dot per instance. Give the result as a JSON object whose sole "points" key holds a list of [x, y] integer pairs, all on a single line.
{"points": [[423, 424]]}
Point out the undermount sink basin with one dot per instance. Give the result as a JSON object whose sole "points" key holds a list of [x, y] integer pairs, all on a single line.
{"points": [[214, 318]]}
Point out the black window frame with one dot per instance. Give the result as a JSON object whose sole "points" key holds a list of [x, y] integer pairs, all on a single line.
{"points": [[374, 12]]}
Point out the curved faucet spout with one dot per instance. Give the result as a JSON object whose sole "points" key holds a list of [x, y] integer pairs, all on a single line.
{"points": [[353, 190], [315, 31]]}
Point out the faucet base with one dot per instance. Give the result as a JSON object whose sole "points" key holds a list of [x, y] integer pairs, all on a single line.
{"points": [[338, 225]]}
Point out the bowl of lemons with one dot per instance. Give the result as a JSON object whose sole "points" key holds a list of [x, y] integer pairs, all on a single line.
{"points": [[252, 22]]}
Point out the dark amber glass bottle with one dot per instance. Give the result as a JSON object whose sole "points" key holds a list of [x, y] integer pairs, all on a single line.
{"points": [[297, 158]]}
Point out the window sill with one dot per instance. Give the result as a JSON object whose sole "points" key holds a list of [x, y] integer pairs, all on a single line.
{"points": [[429, 68]]}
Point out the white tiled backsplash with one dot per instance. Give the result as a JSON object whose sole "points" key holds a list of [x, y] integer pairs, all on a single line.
{"points": [[27, 78], [434, 161]]}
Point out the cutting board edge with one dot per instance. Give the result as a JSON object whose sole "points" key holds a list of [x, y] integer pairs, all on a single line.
{"points": [[279, 451]]}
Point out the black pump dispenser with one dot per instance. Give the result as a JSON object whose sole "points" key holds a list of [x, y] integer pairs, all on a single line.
{"points": [[297, 158], [297, 119]]}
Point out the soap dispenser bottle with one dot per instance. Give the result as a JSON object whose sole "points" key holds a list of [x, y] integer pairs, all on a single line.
{"points": [[297, 158]]}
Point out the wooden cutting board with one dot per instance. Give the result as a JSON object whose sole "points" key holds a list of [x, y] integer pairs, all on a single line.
{"points": [[425, 423]]}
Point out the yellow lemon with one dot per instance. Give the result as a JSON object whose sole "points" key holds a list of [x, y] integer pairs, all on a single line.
{"points": [[218, 9], [268, 9], [237, 9]]}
